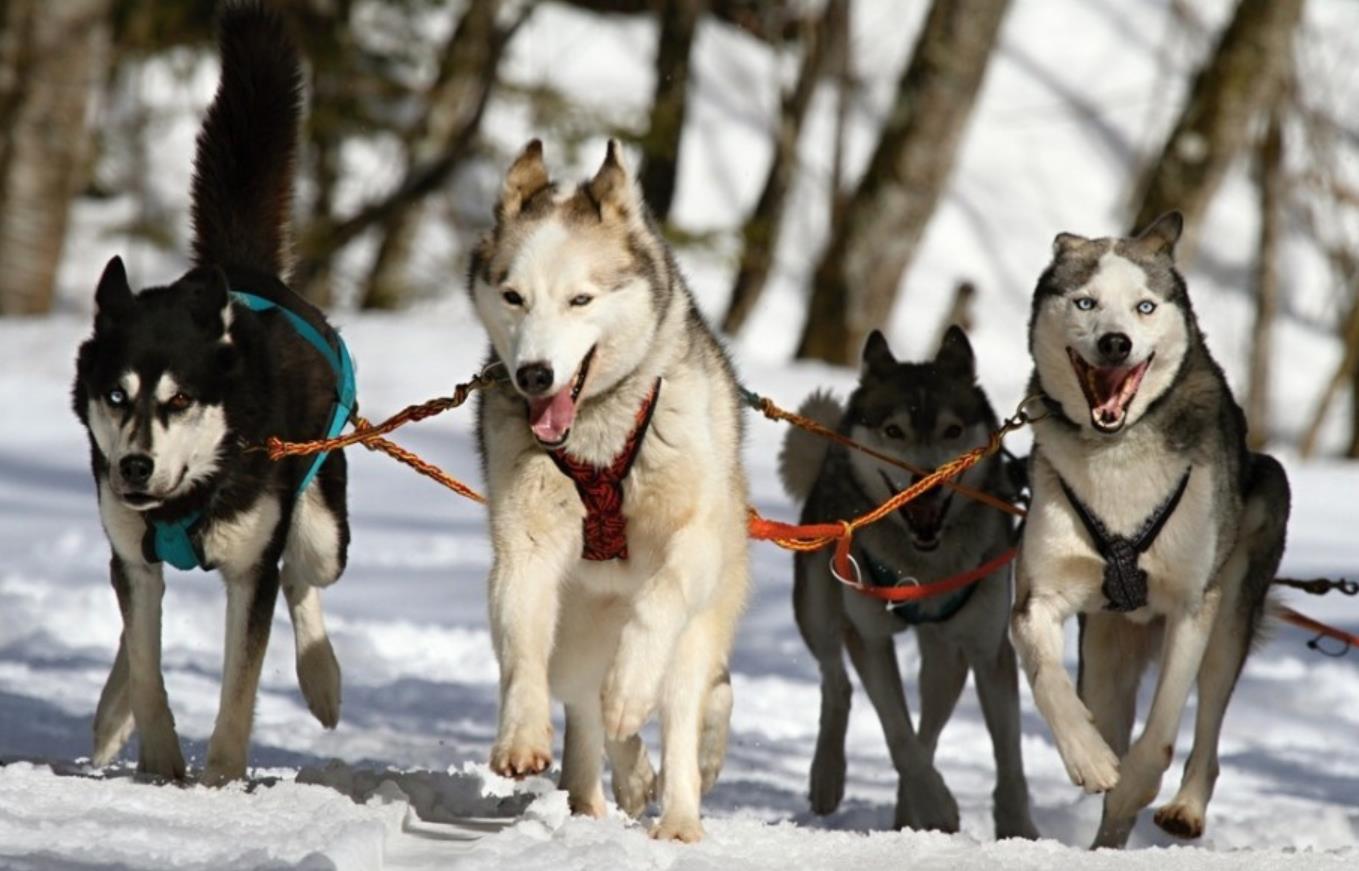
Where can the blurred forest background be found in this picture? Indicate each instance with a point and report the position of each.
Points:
(403, 152)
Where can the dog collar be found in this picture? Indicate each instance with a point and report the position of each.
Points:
(601, 489)
(1125, 583)
(176, 541)
(880, 575)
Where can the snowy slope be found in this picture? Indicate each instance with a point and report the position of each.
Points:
(1050, 148)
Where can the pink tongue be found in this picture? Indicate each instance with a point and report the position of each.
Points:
(551, 418)
(1109, 385)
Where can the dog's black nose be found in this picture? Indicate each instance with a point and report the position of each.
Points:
(534, 378)
(1115, 347)
(136, 469)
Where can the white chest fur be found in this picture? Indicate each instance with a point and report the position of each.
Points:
(1123, 482)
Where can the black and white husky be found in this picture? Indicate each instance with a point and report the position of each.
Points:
(1150, 519)
(923, 413)
(176, 385)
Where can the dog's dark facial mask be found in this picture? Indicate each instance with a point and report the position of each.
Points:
(923, 414)
(151, 383)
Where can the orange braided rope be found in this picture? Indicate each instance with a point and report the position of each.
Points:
(794, 537)
(766, 406)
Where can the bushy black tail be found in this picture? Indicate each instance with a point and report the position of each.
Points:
(243, 169)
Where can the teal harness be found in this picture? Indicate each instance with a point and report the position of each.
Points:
(172, 541)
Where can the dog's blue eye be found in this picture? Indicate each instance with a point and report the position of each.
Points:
(116, 397)
(892, 431)
(581, 299)
(1146, 307)
(1085, 303)
(512, 297)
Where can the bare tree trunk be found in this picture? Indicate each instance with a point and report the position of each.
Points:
(320, 242)
(1239, 80)
(855, 284)
(52, 58)
(838, 22)
(760, 236)
(1271, 181)
(456, 103)
(661, 145)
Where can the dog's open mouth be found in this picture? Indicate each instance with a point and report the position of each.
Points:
(550, 417)
(924, 514)
(1108, 390)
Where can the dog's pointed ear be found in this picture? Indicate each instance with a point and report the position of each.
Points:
(955, 354)
(1162, 235)
(113, 295)
(612, 189)
(878, 359)
(525, 177)
(1068, 243)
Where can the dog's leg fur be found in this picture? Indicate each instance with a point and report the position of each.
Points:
(140, 587)
(1186, 638)
(251, 596)
(113, 720)
(683, 704)
(1038, 637)
(818, 606)
(634, 780)
(313, 557)
(1114, 653)
(582, 758)
(923, 800)
(712, 747)
(997, 676)
(524, 595)
(943, 674)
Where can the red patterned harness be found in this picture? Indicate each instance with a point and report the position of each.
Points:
(601, 489)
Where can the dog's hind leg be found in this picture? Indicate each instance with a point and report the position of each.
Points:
(1243, 601)
(140, 588)
(113, 720)
(923, 800)
(582, 758)
(1114, 652)
(634, 780)
(819, 610)
(1141, 770)
(712, 748)
(251, 596)
(313, 557)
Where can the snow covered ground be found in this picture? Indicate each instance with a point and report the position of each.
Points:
(409, 628)
(402, 782)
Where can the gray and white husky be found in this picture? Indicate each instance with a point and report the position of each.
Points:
(617, 496)
(173, 386)
(1150, 519)
(924, 414)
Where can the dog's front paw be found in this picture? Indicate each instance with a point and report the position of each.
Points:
(1090, 763)
(1181, 820)
(925, 802)
(684, 828)
(629, 696)
(633, 790)
(522, 751)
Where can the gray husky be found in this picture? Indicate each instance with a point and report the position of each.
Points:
(924, 414)
(1150, 519)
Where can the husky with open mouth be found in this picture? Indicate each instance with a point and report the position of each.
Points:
(1150, 519)
(617, 497)
(174, 387)
(923, 414)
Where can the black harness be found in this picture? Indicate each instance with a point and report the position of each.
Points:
(1125, 583)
